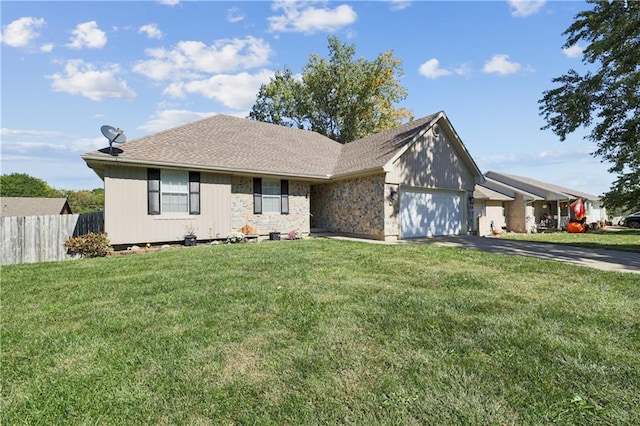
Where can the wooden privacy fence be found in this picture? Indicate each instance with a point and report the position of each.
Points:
(31, 239)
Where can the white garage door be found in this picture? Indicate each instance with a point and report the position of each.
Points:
(430, 214)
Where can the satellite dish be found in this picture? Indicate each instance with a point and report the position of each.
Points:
(113, 134)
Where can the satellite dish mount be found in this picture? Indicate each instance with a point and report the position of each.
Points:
(113, 134)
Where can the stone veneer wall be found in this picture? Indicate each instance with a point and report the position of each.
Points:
(353, 206)
(242, 208)
(516, 212)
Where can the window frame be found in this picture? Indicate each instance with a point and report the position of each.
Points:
(188, 186)
(174, 185)
(259, 196)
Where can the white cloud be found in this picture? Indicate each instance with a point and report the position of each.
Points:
(522, 8)
(552, 156)
(47, 47)
(302, 17)
(24, 142)
(233, 91)
(5, 132)
(431, 69)
(189, 59)
(88, 35)
(574, 51)
(170, 118)
(80, 78)
(500, 64)
(151, 30)
(169, 2)
(234, 15)
(21, 32)
(463, 70)
(399, 4)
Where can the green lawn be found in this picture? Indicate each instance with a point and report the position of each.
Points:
(319, 332)
(620, 239)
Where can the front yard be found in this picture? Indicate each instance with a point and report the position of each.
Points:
(621, 239)
(319, 332)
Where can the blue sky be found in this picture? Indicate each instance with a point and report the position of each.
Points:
(70, 67)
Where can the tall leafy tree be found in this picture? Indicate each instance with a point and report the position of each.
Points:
(24, 185)
(605, 99)
(84, 201)
(342, 97)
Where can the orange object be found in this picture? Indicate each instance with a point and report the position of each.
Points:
(575, 227)
(248, 230)
(578, 209)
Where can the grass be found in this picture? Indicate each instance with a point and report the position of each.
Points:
(620, 239)
(319, 332)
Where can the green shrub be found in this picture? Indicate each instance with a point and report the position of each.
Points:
(89, 245)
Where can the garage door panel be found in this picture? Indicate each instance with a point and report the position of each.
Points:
(427, 214)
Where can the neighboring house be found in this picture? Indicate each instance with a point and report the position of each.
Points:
(223, 173)
(524, 201)
(33, 206)
(488, 209)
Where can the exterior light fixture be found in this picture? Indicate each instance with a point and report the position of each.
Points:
(393, 196)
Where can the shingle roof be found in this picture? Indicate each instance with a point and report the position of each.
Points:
(483, 193)
(229, 143)
(375, 150)
(506, 190)
(546, 190)
(31, 206)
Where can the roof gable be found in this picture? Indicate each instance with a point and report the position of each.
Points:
(376, 150)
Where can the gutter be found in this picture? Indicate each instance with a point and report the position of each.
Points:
(92, 161)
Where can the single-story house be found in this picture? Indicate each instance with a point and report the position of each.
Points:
(33, 206)
(518, 204)
(223, 173)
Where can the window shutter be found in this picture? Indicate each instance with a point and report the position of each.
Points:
(284, 193)
(194, 192)
(257, 196)
(153, 191)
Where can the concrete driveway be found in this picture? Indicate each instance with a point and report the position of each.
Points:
(606, 260)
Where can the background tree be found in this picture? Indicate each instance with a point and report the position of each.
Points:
(341, 97)
(84, 201)
(607, 98)
(23, 185)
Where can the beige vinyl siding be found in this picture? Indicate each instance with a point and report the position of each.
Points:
(127, 221)
(432, 162)
(485, 212)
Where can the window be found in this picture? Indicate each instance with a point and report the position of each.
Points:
(173, 192)
(270, 196)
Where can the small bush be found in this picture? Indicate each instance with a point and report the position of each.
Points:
(89, 245)
(235, 237)
(294, 235)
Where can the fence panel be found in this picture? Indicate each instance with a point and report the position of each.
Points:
(89, 222)
(33, 239)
